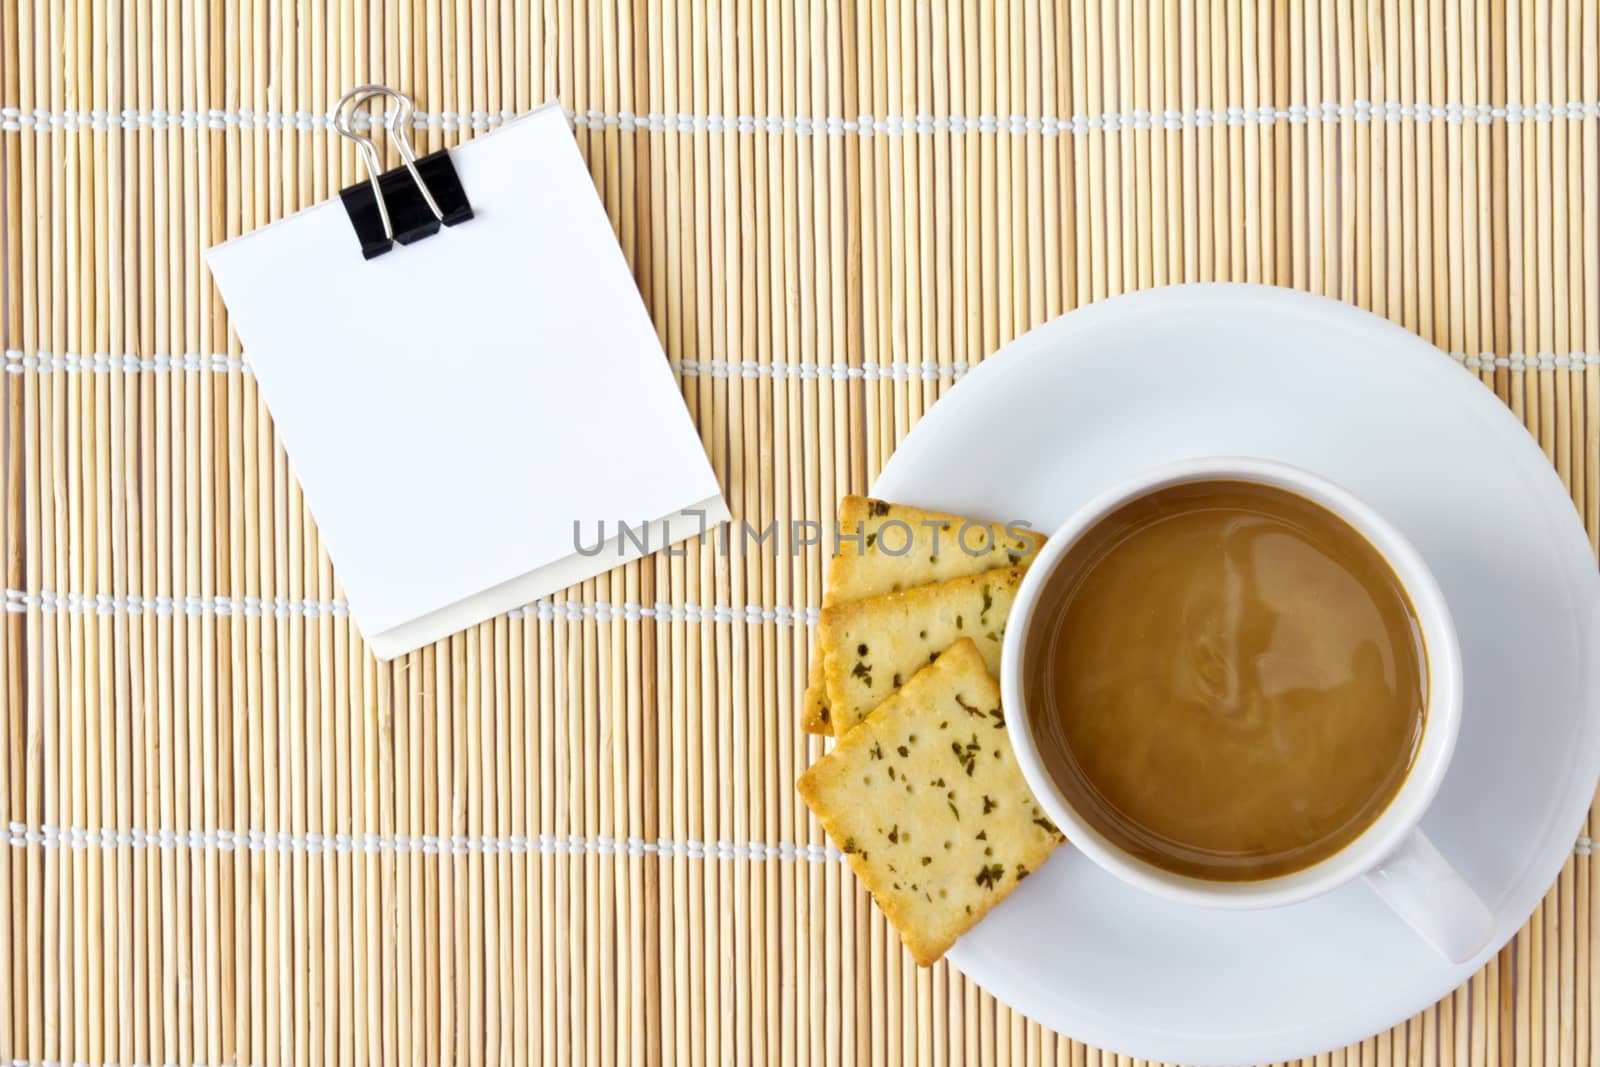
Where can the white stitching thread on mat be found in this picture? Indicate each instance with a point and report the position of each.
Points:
(18, 601)
(17, 361)
(71, 121)
(72, 837)
(102, 363)
(838, 372)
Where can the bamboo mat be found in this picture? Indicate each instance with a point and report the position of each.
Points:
(571, 834)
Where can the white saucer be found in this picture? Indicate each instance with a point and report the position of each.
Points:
(1241, 370)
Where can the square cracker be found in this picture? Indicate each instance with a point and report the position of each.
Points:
(938, 547)
(872, 647)
(927, 801)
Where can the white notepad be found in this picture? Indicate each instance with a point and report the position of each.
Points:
(454, 407)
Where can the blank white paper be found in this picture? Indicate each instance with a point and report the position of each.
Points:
(454, 407)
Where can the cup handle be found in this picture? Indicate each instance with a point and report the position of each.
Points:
(1431, 898)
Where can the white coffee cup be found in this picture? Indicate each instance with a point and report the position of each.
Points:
(1391, 854)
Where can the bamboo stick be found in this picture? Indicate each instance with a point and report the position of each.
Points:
(13, 891)
(23, 168)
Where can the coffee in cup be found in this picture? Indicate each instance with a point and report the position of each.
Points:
(1229, 680)
(1231, 683)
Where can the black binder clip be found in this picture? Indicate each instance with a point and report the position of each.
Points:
(405, 204)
